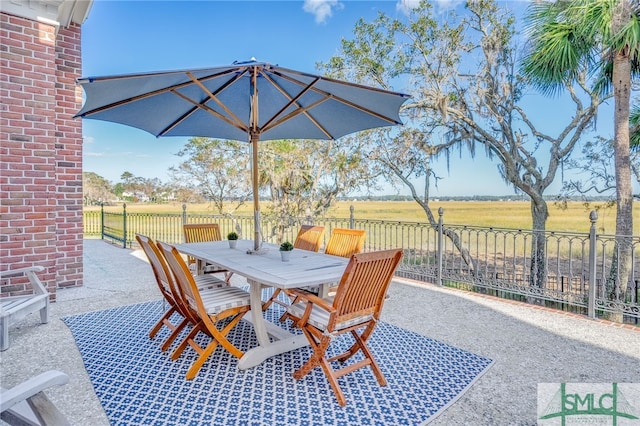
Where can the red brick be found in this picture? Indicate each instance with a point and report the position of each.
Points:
(38, 208)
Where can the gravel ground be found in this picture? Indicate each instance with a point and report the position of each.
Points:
(529, 345)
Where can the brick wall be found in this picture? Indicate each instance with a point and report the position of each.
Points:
(40, 152)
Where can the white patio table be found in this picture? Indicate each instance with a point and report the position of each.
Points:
(304, 269)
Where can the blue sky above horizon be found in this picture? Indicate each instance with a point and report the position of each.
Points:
(121, 37)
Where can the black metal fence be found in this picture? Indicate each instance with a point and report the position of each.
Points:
(483, 259)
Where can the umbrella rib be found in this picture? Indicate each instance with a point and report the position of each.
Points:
(299, 109)
(207, 109)
(254, 103)
(124, 102)
(302, 110)
(178, 121)
(236, 121)
(365, 110)
(338, 98)
(146, 95)
(281, 70)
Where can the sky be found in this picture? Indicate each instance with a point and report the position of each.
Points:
(121, 37)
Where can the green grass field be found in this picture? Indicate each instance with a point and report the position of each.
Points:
(503, 214)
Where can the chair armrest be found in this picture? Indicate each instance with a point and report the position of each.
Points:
(31, 387)
(312, 298)
(20, 271)
(30, 272)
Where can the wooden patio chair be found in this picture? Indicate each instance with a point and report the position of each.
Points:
(355, 309)
(171, 293)
(345, 242)
(203, 232)
(224, 305)
(309, 237)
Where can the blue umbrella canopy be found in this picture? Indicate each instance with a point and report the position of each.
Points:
(247, 101)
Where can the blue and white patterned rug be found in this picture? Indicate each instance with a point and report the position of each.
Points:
(138, 384)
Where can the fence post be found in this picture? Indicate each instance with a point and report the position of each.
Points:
(440, 248)
(352, 219)
(591, 310)
(102, 221)
(184, 214)
(124, 225)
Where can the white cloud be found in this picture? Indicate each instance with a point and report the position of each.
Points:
(406, 6)
(444, 5)
(322, 9)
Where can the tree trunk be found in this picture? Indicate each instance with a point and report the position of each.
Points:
(617, 285)
(455, 238)
(538, 269)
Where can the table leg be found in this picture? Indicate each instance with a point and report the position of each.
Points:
(323, 290)
(283, 340)
(200, 266)
(256, 309)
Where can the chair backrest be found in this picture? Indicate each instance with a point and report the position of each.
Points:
(364, 284)
(182, 276)
(345, 242)
(309, 237)
(163, 275)
(201, 232)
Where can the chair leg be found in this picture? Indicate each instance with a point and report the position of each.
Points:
(274, 299)
(333, 381)
(360, 344)
(195, 367)
(316, 356)
(44, 313)
(189, 340)
(218, 337)
(174, 334)
(268, 303)
(320, 344)
(318, 359)
(161, 322)
(221, 336)
(4, 333)
(368, 355)
(356, 346)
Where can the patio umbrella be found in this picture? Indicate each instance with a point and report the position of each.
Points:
(246, 101)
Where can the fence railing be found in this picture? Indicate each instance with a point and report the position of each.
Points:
(489, 260)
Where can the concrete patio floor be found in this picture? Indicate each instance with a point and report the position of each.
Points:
(529, 345)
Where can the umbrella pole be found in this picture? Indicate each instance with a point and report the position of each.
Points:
(256, 196)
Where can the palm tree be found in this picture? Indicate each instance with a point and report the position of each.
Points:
(602, 37)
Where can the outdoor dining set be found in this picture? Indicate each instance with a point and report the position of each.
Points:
(325, 294)
(257, 101)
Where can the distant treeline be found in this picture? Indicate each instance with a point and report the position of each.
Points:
(472, 198)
